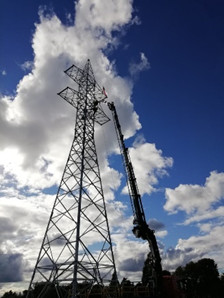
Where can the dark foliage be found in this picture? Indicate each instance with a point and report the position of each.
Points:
(11, 294)
(166, 272)
(200, 279)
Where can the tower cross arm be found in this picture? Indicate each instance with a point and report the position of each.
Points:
(70, 95)
(75, 73)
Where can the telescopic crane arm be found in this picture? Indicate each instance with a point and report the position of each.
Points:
(141, 228)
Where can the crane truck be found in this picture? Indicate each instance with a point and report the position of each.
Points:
(140, 226)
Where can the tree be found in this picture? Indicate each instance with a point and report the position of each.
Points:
(11, 294)
(166, 273)
(201, 279)
(222, 283)
(127, 288)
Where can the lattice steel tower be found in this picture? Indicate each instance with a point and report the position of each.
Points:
(76, 251)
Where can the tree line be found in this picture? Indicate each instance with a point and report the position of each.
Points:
(199, 279)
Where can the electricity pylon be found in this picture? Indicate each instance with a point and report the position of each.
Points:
(76, 251)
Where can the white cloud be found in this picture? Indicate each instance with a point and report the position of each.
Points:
(211, 214)
(115, 15)
(4, 73)
(205, 227)
(37, 117)
(136, 68)
(161, 234)
(129, 261)
(202, 206)
(196, 199)
(149, 164)
(27, 65)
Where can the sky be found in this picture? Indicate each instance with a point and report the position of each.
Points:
(162, 63)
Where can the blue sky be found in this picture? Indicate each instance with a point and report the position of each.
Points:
(160, 60)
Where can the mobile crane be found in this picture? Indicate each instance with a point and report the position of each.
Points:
(141, 228)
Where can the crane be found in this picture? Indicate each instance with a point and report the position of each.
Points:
(141, 228)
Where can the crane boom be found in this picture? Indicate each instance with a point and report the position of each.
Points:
(141, 228)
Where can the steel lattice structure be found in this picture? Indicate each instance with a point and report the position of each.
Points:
(76, 251)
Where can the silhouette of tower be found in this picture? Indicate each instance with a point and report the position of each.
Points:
(76, 251)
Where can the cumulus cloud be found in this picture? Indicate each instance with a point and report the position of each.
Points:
(36, 118)
(202, 207)
(116, 14)
(4, 73)
(196, 199)
(149, 164)
(34, 121)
